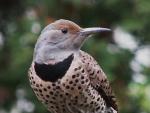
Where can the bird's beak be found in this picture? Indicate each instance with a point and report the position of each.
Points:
(92, 30)
(85, 32)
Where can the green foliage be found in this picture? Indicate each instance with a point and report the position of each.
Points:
(22, 21)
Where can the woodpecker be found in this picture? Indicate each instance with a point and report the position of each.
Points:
(66, 79)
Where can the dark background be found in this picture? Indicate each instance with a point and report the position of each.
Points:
(123, 54)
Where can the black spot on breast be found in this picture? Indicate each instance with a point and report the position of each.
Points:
(52, 73)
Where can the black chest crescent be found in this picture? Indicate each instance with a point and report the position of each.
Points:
(52, 73)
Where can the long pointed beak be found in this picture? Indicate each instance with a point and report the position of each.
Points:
(92, 30)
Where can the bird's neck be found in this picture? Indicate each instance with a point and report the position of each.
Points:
(52, 57)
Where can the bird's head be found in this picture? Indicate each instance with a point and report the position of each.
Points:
(60, 39)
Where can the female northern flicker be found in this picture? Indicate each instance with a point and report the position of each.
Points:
(66, 79)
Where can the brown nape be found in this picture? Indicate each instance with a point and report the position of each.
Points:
(65, 24)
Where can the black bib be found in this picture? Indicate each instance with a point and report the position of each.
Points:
(52, 73)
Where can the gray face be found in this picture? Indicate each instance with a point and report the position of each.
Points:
(60, 39)
(60, 34)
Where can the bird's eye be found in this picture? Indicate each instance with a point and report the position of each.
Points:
(65, 30)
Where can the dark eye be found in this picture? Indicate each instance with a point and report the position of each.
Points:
(65, 30)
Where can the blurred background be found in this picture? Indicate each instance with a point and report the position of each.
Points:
(124, 55)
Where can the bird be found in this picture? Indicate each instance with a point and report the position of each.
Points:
(65, 78)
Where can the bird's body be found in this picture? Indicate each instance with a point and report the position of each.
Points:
(74, 83)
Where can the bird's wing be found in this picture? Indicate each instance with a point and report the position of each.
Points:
(99, 80)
